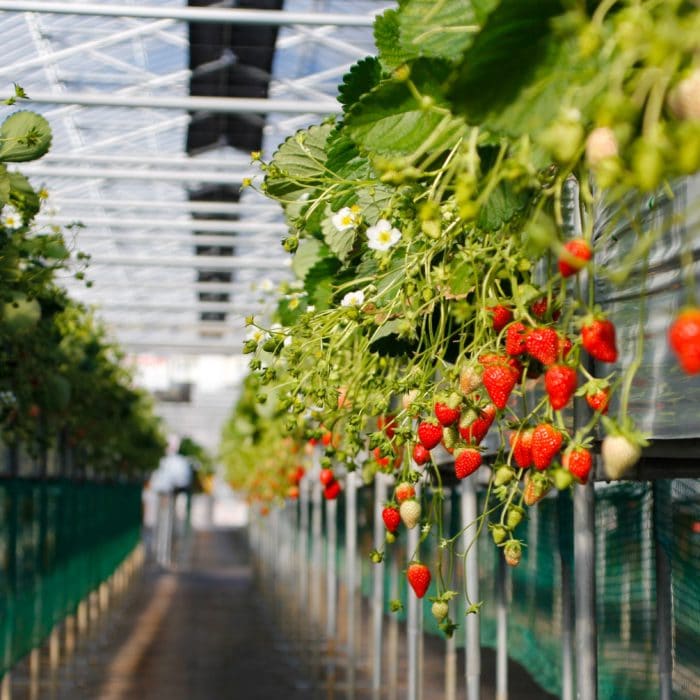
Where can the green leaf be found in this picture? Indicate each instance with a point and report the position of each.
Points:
(298, 163)
(386, 37)
(24, 136)
(360, 79)
(345, 161)
(462, 280)
(502, 205)
(374, 202)
(388, 328)
(340, 242)
(320, 282)
(4, 185)
(390, 121)
(503, 59)
(289, 312)
(439, 28)
(309, 252)
(23, 197)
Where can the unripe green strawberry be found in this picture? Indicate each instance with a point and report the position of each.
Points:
(410, 512)
(514, 517)
(512, 551)
(450, 437)
(390, 537)
(498, 533)
(503, 475)
(562, 478)
(470, 379)
(440, 610)
(535, 488)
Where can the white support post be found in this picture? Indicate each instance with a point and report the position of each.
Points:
(6, 686)
(501, 629)
(305, 487)
(414, 622)
(351, 579)
(451, 642)
(472, 648)
(380, 488)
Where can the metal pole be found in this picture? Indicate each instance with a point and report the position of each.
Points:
(414, 619)
(316, 555)
(380, 486)
(191, 206)
(213, 105)
(501, 629)
(472, 648)
(331, 589)
(585, 585)
(350, 576)
(451, 642)
(304, 489)
(192, 14)
(664, 591)
(393, 640)
(271, 262)
(567, 628)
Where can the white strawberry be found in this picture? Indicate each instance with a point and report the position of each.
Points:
(620, 454)
(410, 513)
(439, 609)
(600, 144)
(470, 379)
(684, 99)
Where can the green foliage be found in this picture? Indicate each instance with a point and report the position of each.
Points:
(24, 136)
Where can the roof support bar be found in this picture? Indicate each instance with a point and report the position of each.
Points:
(135, 174)
(194, 206)
(192, 14)
(201, 262)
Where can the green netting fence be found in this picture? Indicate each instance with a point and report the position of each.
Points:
(629, 524)
(59, 539)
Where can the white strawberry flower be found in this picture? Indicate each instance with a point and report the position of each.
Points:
(382, 235)
(257, 335)
(10, 217)
(346, 218)
(353, 299)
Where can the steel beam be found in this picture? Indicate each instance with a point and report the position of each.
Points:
(208, 262)
(194, 206)
(107, 307)
(222, 178)
(233, 160)
(213, 105)
(192, 14)
(88, 237)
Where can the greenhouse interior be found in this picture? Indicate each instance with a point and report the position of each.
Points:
(350, 349)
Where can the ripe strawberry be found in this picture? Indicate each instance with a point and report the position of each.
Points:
(326, 438)
(598, 339)
(331, 491)
(543, 345)
(535, 488)
(684, 338)
(404, 491)
(467, 461)
(410, 513)
(540, 308)
(546, 442)
(577, 254)
(473, 426)
(620, 454)
(447, 412)
(502, 316)
(499, 380)
(565, 346)
(515, 339)
(387, 424)
(430, 434)
(470, 379)
(579, 462)
(418, 576)
(521, 444)
(560, 383)
(440, 610)
(420, 454)
(293, 492)
(391, 518)
(599, 399)
(326, 476)
(382, 461)
(512, 551)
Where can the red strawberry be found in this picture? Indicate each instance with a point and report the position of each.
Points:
(420, 454)
(546, 442)
(447, 412)
(430, 434)
(326, 476)
(579, 462)
(473, 426)
(293, 492)
(391, 518)
(565, 346)
(543, 345)
(684, 338)
(540, 307)
(404, 491)
(577, 254)
(387, 424)
(502, 316)
(598, 338)
(499, 380)
(467, 461)
(515, 338)
(598, 399)
(331, 491)
(560, 383)
(521, 444)
(418, 576)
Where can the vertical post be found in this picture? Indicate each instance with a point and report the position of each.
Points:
(414, 620)
(584, 573)
(6, 686)
(380, 483)
(316, 551)
(393, 641)
(664, 600)
(350, 575)
(331, 587)
(472, 649)
(451, 642)
(567, 628)
(303, 534)
(501, 629)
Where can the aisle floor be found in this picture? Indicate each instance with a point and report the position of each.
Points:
(201, 631)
